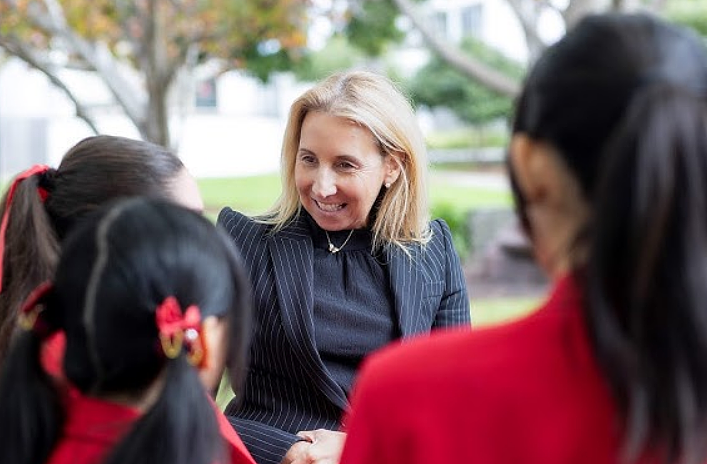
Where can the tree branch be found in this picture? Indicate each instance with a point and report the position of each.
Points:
(129, 97)
(17, 48)
(577, 9)
(527, 14)
(464, 63)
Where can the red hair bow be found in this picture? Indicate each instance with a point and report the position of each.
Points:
(36, 169)
(176, 327)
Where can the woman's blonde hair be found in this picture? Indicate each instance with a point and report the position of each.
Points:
(373, 102)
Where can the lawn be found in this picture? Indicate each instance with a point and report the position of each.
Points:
(491, 311)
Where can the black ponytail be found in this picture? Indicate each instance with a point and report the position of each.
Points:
(180, 428)
(647, 272)
(31, 414)
(30, 254)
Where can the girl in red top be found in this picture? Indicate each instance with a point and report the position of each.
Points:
(147, 293)
(609, 163)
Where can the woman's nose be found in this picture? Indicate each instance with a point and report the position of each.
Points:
(324, 183)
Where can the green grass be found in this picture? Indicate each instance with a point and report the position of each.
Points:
(249, 195)
(493, 311)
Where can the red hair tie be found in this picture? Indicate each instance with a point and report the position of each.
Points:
(177, 329)
(36, 169)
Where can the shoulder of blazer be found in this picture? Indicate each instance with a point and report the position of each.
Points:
(441, 235)
(241, 227)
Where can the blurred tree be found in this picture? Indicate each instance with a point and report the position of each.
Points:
(337, 54)
(145, 50)
(370, 25)
(528, 13)
(438, 84)
(689, 13)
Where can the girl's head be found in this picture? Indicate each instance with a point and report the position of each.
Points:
(116, 273)
(582, 98)
(45, 205)
(145, 292)
(102, 168)
(609, 162)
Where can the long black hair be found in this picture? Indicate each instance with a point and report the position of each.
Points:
(623, 100)
(115, 269)
(96, 170)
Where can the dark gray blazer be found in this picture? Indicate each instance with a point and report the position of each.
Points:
(288, 388)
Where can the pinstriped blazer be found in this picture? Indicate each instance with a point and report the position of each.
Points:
(288, 387)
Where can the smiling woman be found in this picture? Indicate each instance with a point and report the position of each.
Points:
(339, 171)
(345, 262)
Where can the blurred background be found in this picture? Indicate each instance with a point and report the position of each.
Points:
(213, 80)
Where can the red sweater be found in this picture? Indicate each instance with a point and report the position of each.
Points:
(91, 429)
(528, 392)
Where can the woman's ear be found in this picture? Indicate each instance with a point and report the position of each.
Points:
(393, 168)
(524, 154)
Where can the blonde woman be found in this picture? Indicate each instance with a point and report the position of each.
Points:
(344, 263)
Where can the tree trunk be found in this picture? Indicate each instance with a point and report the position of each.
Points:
(155, 126)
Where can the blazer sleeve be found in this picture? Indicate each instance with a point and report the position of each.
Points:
(454, 307)
(266, 444)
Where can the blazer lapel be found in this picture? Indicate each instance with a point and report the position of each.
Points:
(405, 285)
(292, 257)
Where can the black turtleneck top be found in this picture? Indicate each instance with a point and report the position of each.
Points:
(353, 306)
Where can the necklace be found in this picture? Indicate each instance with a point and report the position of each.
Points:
(334, 249)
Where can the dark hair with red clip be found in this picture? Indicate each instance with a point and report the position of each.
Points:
(116, 271)
(47, 202)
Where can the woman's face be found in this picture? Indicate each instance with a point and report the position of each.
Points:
(339, 171)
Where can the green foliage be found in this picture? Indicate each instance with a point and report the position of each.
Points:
(372, 26)
(337, 55)
(690, 13)
(439, 85)
(456, 219)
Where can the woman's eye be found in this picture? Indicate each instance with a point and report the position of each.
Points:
(308, 159)
(346, 165)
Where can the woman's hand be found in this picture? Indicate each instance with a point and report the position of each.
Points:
(321, 447)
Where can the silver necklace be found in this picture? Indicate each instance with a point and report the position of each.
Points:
(334, 249)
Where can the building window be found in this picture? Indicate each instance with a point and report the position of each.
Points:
(439, 24)
(471, 20)
(206, 94)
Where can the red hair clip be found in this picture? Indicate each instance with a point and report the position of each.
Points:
(176, 327)
(28, 317)
(36, 169)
